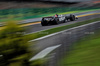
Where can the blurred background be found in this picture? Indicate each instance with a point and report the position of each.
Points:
(27, 9)
(15, 48)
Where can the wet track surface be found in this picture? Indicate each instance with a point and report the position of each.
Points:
(38, 27)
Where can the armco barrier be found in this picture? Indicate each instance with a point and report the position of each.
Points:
(66, 38)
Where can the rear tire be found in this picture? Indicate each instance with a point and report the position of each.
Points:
(44, 23)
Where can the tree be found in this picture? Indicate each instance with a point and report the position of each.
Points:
(13, 46)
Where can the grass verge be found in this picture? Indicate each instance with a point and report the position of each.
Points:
(86, 52)
(61, 28)
(23, 17)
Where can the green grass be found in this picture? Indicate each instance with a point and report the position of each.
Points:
(28, 13)
(57, 29)
(79, 11)
(86, 52)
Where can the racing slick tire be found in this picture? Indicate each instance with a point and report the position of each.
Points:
(44, 23)
(72, 17)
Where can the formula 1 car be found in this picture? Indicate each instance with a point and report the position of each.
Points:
(56, 20)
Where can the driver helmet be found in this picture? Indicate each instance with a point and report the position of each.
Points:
(56, 15)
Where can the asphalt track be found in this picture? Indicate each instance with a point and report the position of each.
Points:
(82, 17)
(66, 39)
(32, 26)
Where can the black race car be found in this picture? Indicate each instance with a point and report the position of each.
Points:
(57, 19)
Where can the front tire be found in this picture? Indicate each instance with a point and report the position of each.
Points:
(72, 17)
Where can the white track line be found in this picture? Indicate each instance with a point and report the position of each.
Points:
(62, 31)
(44, 52)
